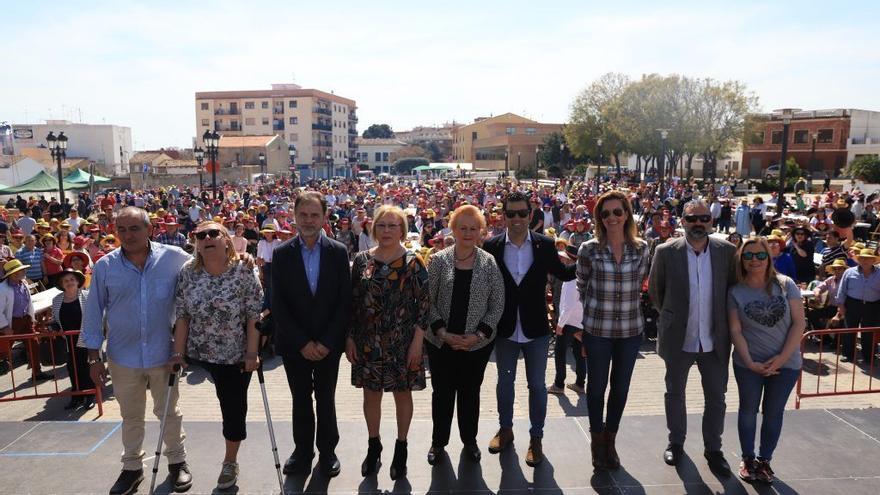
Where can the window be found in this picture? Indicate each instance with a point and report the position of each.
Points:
(265, 120)
(249, 121)
(248, 105)
(825, 136)
(801, 136)
(758, 137)
(378, 156)
(531, 131)
(775, 137)
(384, 156)
(204, 106)
(206, 122)
(264, 104)
(511, 131)
(294, 138)
(474, 136)
(234, 125)
(293, 120)
(291, 104)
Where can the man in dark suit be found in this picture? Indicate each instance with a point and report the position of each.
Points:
(688, 286)
(525, 259)
(311, 292)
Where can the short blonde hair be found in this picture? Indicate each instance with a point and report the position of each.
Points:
(231, 255)
(393, 211)
(467, 211)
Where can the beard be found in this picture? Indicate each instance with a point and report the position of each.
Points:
(696, 233)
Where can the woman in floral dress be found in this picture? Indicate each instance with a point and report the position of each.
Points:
(218, 303)
(389, 310)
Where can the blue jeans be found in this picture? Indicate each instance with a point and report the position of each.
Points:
(535, 355)
(775, 390)
(604, 355)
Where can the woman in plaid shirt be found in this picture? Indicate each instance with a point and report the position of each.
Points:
(611, 270)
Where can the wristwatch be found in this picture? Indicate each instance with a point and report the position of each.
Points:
(91, 361)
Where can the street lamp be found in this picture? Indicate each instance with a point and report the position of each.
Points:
(58, 150)
(212, 145)
(599, 169)
(506, 168)
(518, 157)
(537, 150)
(786, 122)
(329, 159)
(262, 158)
(813, 154)
(199, 153)
(291, 150)
(661, 176)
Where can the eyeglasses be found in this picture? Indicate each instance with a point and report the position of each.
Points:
(618, 212)
(386, 226)
(516, 213)
(698, 218)
(212, 233)
(760, 255)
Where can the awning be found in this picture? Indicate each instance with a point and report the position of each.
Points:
(81, 176)
(42, 182)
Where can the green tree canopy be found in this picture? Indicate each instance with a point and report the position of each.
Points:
(865, 168)
(404, 166)
(378, 131)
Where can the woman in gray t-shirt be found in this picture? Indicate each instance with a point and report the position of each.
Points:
(766, 315)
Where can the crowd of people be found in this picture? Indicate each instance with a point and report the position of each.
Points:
(410, 278)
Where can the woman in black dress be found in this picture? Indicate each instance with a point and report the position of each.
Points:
(67, 310)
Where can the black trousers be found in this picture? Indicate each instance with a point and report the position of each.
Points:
(456, 375)
(865, 314)
(565, 342)
(305, 377)
(78, 366)
(231, 386)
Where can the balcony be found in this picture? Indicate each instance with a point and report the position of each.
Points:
(322, 111)
(278, 110)
(322, 127)
(278, 125)
(227, 111)
(353, 132)
(227, 128)
(352, 118)
(322, 144)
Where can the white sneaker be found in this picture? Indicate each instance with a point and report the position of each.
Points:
(228, 475)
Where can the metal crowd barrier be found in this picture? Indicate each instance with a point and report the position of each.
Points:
(834, 382)
(39, 390)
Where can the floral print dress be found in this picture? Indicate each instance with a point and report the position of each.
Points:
(388, 301)
(217, 307)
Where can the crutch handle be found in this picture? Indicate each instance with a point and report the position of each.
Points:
(172, 375)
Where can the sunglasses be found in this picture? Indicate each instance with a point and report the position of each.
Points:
(213, 233)
(698, 218)
(618, 212)
(516, 213)
(760, 255)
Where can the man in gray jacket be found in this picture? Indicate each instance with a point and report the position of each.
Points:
(688, 285)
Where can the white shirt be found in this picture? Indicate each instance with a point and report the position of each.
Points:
(518, 260)
(265, 249)
(571, 309)
(74, 223)
(698, 335)
(548, 218)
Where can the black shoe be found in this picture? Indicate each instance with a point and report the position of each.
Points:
(298, 464)
(74, 402)
(127, 482)
(4, 367)
(435, 455)
(180, 476)
(88, 403)
(673, 453)
(717, 462)
(373, 460)
(330, 465)
(473, 452)
(398, 464)
(43, 376)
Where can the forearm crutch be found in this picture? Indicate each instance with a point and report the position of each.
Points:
(171, 377)
(262, 381)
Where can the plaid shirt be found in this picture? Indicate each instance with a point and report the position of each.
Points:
(610, 292)
(177, 239)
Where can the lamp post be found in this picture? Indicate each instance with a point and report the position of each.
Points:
(599, 169)
(537, 151)
(212, 145)
(291, 150)
(661, 176)
(506, 167)
(329, 159)
(199, 153)
(262, 158)
(786, 122)
(58, 150)
(813, 154)
(518, 159)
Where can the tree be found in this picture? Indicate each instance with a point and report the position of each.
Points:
(404, 166)
(591, 115)
(792, 175)
(378, 131)
(551, 154)
(411, 151)
(865, 168)
(433, 151)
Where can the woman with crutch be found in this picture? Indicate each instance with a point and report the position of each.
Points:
(218, 303)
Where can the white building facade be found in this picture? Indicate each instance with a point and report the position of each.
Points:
(864, 135)
(109, 146)
(376, 154)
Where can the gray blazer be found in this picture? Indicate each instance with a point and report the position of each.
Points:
(486, 303)
(669, 289)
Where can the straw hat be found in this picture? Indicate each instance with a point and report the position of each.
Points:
(268, 229)
(108, 239)
(838, 263)
(867, 253)
(13, 266)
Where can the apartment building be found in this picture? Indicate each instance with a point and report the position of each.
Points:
(109, 146)
(321, 126)
(494, 143)
(422, 136)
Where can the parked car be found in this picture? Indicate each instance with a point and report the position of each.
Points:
(772, 172)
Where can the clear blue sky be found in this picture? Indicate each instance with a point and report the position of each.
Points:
(418, 63)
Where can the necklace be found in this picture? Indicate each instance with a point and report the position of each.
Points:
(473, 251)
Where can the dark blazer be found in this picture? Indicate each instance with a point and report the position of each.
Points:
(669, 289)
(301, 317)
(528, 299)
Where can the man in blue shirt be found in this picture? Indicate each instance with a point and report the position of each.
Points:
(859, 296)
(133, 288)
(32, 255)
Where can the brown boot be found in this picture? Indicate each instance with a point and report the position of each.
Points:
(597, 449)
(612, 460)
(536, 452)
(501, 440)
